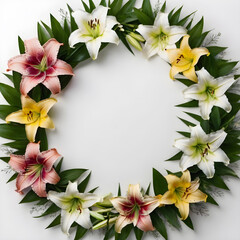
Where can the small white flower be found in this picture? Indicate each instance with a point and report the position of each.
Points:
(210, 92)
(94, 28)
(202, 149)
(160, 36)
(74, 205)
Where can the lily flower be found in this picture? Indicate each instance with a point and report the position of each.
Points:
(35, 169)
(184, 59)
(75, 206)
(135, 209)
(202, 149)
(161, 36)
(94, 28)
(33, 115)
(40, 65)
(182, 192)
(210, 92)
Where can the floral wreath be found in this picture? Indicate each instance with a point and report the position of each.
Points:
(45, 66)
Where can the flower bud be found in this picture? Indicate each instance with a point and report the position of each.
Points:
(134, 42)
(137, 36)
(104, 223)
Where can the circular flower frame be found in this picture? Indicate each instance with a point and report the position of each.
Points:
(45, 66)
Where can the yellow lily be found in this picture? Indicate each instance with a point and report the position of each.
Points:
(33, 115)
(184, 59)
(181, 192)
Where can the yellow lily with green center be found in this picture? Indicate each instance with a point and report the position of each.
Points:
(33, 115)
(184, 59)
(182, 192)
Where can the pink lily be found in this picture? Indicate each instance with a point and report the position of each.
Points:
(135, 209)
(35, 169)
(40, 65)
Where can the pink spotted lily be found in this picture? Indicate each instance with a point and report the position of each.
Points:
(39, 64)
(135, 209)
(35, 169)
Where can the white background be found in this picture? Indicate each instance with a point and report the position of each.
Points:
(117, 118)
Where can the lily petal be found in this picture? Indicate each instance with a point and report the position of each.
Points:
(46, 122)
(89, 200)
(190, 74)
(121, 205)
(39, 187)
(51, 48)
(110, 36)
(184, 144)
(134, 192)
(168, 198)
(19, 117)
(18, 64)
(48, 158)
(50, 177)
(17, 163)
(53, 84)
(187, 161)
(59, 199)
(186, 177)
(81, 18)
(93, 47)
(34, 51)
(216, 139)
(150, 203)
(121, 222)
(198, 133)
(100, 13)
(219, 156)
(183, 208)
(205, 109)
(207, 166)
(111, 21)
(198, 52)
(72, 188)
(161, 20)
(67, 219)
(45, 105)
(62, 68)
(31, 130)
(224, 83)
(83, 219)
(145, 223)
(24, 181)
(197, 196)
(77, 37)
(32, 151)
(223, 103)
(29, 82)
(29, 103)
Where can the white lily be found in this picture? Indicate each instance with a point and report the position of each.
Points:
(94, 28)
(202, 149)
(210, 92)
(74, 205)
(161, 36)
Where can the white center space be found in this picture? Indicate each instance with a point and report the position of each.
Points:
(117, 118)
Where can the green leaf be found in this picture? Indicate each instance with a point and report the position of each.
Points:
(185, 81)
(70, 175)
(175, 17)
(163, 8)
(200, 40)
(13, 132)
(13, 177)
(190, 104)
(194, 116)
(92, 5)
(171, 216)
(5, 159)
(10, 77)
(19, 144)
(115, 7)
(138, 233)
(43, 37)
(205, 126)
(49, 30)
(21, 45)
(148, 189)
(17, 78)
(217, 181)
(142, 17)
(59, 166)
(147, 9)
(124, 41)
(58, 31)
(103, 3)
(196, 33)
(42, 137)
(124, 233)
(66, 27)
(128, 7)
(83, 185)
(5, 110)
(185, 19)
(31, 196)
(73, 24)
(223, 170)
(159, 224)
(55, 222)
(185, 134)
(187, 123)
(215, 50)
(226, 68)
(215, 118)
(80, 232)
(176, 157)
(52, 209)
(119, 190)
(160, 185)
(87, 9)
(189, 223)
(10, 94)
(109, 233)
